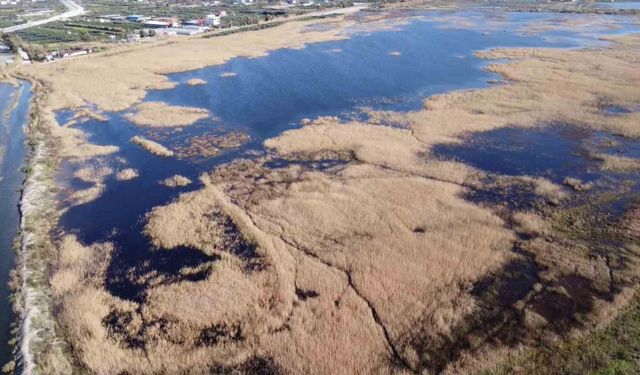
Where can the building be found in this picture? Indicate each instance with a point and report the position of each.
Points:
(213, 20)
(79, 53)
(173, 22)
(198, 22)
(135, 18)
(190, 30)
(154, 24)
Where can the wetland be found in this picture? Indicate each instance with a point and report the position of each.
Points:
(384, 192)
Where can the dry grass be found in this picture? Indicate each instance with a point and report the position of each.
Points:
(93, 173)
(127, 174)
(166, 231)
(162, 115)
(207, 145)
(551, 192)
(84, 196)
(358, 266)
(151, 146)
(529, 223)
(617, 163)
(73, 142)
(176, 181)
(576, 184)
(196, 82)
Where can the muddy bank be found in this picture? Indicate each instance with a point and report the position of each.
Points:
(14, 114)
(39, 340)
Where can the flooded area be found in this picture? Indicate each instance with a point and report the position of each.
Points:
(14, 105)
(263, 97)
(554, 152)
(365, 78)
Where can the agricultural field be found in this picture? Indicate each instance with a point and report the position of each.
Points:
(95, 27)
(23, 11)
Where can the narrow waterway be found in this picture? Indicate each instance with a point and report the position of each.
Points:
(14, 111)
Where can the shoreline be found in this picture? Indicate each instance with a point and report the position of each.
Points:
(12, 161)
(37, 220)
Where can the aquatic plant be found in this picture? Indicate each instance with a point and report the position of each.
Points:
(151, 146)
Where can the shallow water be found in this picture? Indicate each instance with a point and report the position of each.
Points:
(268, 95)
(621, 5)
(553, 152)
(12, 154)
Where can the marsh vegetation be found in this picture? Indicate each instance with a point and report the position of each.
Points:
(474, 232)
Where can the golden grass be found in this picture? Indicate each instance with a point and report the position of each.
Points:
(550, 191)
(73, 142)
(577, 184)
(546, 86)
(617, 163)
(165, 229)
(529, 223)
(151, 146)
(127, 174)
(355, 264)
(196, 82)
(176, 181)
(84, 196)
(93, 173)
(208, 145)
(162, 115)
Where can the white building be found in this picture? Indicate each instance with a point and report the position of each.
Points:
(213, 20)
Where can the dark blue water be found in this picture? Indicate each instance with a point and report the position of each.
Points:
(11, 177)
(553, 152)
(267, 96)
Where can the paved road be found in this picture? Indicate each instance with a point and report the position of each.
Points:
(73, 10)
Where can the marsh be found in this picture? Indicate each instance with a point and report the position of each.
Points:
(344, 189)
